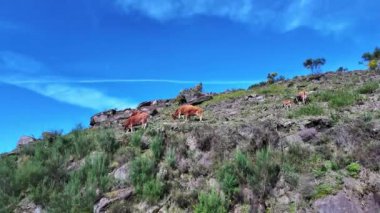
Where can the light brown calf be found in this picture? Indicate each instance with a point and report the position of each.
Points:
(188, 110)
(287, 103)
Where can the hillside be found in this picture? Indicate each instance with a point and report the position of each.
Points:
(249, 154)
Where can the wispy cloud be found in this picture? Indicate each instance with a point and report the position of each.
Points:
(18, 70)
(284, 15)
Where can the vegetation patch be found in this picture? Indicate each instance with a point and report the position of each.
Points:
(369, 88)
(307, 110)
(210, 202)
(353, 169)
(339, 98)
(323, 190)
(227, 96)
(271, 89)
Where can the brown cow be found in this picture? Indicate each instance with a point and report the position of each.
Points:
(287, 103)
(137, 118)
(188, 110)
(302, 96)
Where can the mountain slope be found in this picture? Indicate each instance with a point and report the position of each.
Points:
(249, 155)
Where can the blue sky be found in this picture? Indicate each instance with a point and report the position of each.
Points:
(62, 61)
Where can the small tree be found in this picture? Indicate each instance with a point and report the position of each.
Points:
(314, 64)
(271, 77)
(342, 69)
(372, 59)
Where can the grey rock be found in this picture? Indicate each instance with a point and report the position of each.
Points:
(339, 203)
(25, 140)
(308, 134)
(112, 197)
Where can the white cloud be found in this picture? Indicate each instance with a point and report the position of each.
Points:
(284, 15)
(79, 96)
(25, 72)
(169, 9)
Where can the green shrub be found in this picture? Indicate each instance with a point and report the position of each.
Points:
(106, 140)
(152, 190)
(125, 154)
(228, 179)
(79, 193)
(157, 147)
(142, 170)
(136, 138)
(9, 191)
(265, 172)
(290, 174)
(307, 110)
(243, 165)
(323, 190)
(210, 202)
(170, 157)
(353, 169)
(29, 174)
(369, 88)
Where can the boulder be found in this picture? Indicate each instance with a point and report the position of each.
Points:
(25, 140)
(122, 173)
(339, 203)
(308, 134)
(112, 197)
(27, 206)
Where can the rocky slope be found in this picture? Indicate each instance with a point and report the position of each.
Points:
(249, 155)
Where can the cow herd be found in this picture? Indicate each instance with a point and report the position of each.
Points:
(141, 118)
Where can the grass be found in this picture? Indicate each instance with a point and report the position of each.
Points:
(338, 99)
(170, 158)
(323, 190)
(157, 147)
(272, 89)
(210, 202)
(228, 179)
(307, 110)
(227, 96)
(369, 88)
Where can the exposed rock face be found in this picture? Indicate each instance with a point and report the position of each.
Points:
(122, 173)
(340, 203)
(27, 206)
(112, 197)
(25, 140)
(115, 118)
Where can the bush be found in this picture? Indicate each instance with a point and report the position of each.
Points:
(353, 169)
(106, 140)
(142, 171)
(157, 147)
(79, 193)
(30, 174)
(170, 157)
(228, 180)
(322, 190)
(369, 88)
(9, 193)
(153, 190)
(308, 110)
(136, 138)
(290, 174)
(210, 202)
(265, 172)
(242, 163)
